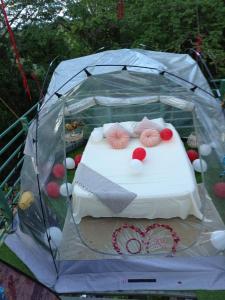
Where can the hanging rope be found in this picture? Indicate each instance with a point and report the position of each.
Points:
(9, 108)
(198, 39)
(16, 52)
(197, 17)
(198, 45)
(120, 9)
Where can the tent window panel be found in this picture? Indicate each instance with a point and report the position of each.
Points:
(136, 109)
(99, 115)
(180, 121)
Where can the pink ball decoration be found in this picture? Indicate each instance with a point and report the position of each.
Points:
(139, 153)
(52, 189)
(117, 137)
(77, 159)
(58, 171)
(219, 189)
(150, 137)
(166, 134)
(192, 154)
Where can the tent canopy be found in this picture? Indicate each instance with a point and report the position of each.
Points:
(115, 86)
(70, 71)
(135, 76)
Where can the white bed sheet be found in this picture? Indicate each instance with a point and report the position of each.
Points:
(165, 189)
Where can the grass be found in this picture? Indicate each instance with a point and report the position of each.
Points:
(9, 257)
(70, 173)
(211, 295)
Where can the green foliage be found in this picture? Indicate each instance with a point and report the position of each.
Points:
(11, 90)
(50, 28)
(211, 295)
(173, 26)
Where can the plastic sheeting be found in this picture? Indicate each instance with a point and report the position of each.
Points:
(100, 275)
(127, 88)
(179, 64)
(82, 252)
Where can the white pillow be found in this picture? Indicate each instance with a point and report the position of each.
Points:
(106, 127)
(96, 135)
(160, 122)
(129, 126)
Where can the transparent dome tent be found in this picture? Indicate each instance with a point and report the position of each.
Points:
(102, 222)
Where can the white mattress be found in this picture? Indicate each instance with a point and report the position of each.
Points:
(165, 189)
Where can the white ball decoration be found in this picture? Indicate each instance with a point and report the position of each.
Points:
(218, 239)
(56, 237)
(96, 136)
(70, 163)
(192, 141)
(136, 166)
(199, 165)
(64, 187)
(205, 149)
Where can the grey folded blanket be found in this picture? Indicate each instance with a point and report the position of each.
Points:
(109, 193)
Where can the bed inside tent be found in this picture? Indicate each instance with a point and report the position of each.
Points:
(133, 207)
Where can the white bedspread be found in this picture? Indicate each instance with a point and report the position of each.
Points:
(165, 189)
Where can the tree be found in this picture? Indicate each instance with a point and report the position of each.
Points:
(46, 29)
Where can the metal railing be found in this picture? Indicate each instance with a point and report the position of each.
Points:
(11, 160)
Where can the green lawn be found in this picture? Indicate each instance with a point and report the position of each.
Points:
(70, 173)
(211, 295)
(6, 255)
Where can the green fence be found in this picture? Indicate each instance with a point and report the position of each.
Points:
(11, 160)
